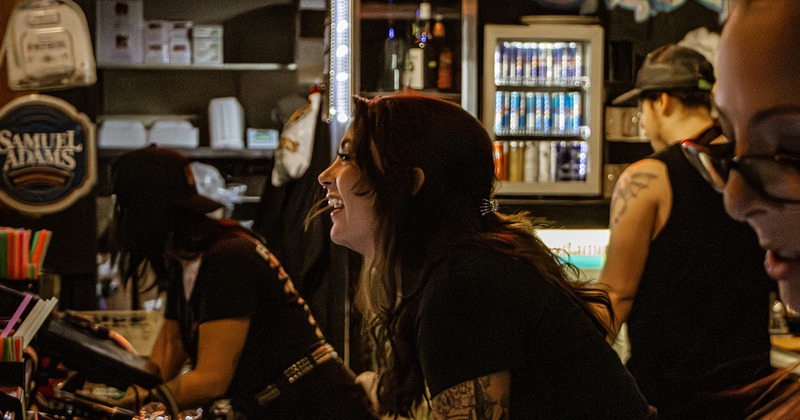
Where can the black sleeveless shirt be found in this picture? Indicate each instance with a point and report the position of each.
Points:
(699, 323)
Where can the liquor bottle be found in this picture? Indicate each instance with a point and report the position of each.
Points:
(444, 76)
(395, 49)
(432, 49)
(416, 53)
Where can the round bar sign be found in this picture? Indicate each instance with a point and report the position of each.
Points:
(47, 154)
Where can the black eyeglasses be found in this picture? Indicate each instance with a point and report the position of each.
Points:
(774, 177)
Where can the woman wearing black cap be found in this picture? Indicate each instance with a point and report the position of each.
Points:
(232, 310)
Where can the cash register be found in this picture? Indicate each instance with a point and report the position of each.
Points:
(83, 352)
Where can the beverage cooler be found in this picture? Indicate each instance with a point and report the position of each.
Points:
(542, 103)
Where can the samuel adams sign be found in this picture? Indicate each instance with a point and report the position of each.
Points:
(47, 154)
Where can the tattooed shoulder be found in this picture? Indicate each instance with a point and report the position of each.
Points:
(482, 398)
(630, 186)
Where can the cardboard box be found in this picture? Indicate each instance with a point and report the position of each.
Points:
(156, 39)
(180, 46)
(207, 44)
(120, 26)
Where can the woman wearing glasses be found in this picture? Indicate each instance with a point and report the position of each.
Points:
(679, 271)
(759, 102)
(759, 172)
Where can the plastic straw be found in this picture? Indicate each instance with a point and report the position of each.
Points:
(16, 316)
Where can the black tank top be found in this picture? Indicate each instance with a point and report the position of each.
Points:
(699, 322)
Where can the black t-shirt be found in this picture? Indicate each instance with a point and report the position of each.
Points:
(486, 312)
(239, 277)
(699, 322)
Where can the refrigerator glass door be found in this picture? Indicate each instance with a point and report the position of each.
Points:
(542, 102)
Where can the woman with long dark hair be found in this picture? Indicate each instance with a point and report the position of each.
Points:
(462, 301)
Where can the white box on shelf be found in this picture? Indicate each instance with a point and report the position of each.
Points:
(260, 138)
(120, 31)
(156, 39)
(121, 134)
(180, 29)
(173, 133)
(226, 123)
(180, 51)
(207, 44)
(180, 47)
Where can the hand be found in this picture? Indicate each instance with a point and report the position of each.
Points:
(369, 381)
(133, 398)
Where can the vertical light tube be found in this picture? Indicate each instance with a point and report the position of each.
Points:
(340, 69)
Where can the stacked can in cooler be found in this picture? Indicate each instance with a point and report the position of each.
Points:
(541, 161)
(539, 113)
(539, 64)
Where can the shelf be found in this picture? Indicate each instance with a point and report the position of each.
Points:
(566, 188)
(450, 96)
(194, 67)
(539, 137)
(628, 139)
(559, 212)
(202, 153)
(381, 11)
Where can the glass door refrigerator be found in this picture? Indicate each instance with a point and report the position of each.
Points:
(542, 103)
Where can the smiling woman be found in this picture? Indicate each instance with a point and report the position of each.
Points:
(464, 303)
(760, 111)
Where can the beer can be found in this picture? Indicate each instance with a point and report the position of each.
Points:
(559, 114)
(554, 148)
(544, 174)
(568, 113)
(519, 60)
(546, 114)
(539, 113)
(559, 50)
(530, 120)
(500, 155)
(579, 160)
(516, 160)
(577, 113)
(562, 161)
(578, 54)
(569, 69)
(513, 114)
(498, 112)
(533, 76)
(545, 63)
(512, 63)
(507, 62)
(530, 168)
(526, 72)
(506, 113)
(498, 64)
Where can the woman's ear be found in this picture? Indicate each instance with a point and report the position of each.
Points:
(419, 179)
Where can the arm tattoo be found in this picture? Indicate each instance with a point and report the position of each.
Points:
(477, 399)
(626, 190)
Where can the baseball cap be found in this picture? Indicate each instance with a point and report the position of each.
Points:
(159, 175)
(671, 67)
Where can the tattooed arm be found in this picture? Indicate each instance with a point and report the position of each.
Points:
(481, 398)
(640, 207)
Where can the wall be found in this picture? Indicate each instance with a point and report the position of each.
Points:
(71, 256)
(5, 11)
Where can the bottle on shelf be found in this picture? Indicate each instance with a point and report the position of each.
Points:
(444, 70)
(395, 49)
(431, 51)
(421, 30)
